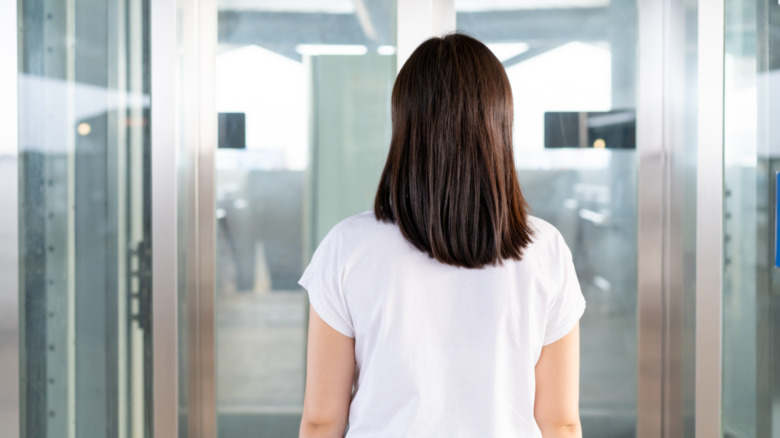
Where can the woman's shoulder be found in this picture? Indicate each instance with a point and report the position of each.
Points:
(546, 237)
(357, 226)
(354, 222)
(542, 229)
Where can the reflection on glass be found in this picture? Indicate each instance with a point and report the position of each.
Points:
(751, 283)
(572, 66)
(85, 249)
(303, 92)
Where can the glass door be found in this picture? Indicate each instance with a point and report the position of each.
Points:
(751, 272)
(573, 71)
(303, 96)
(84, 219)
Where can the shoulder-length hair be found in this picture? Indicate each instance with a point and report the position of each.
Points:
(449, 181)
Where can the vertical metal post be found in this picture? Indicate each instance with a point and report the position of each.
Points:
(418, 20)
(709, 220)
(679, 294)
(164, 236)
(9, 231)
(203, 381)
(197, 125)
(652, 218)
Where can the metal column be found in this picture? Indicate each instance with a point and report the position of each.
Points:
(651, 215)
(200, 146)
(9, 249)
(196, 145)
(709, 221)
(164, 208)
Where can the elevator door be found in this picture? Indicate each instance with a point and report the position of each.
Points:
(303, 95)
(84, 164)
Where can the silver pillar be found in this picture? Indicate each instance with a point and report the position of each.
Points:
(9, 247)
(652, 154)
(198, 147)
(709, 221)
(164, 237)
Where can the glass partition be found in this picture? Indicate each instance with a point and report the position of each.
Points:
(303, 95)
(572, 66)
(751, 279)
(84, 218)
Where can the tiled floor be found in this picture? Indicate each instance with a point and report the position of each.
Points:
(261, 351)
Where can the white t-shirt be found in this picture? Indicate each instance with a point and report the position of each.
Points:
(441, 351)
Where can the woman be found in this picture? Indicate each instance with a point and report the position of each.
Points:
(451, 310)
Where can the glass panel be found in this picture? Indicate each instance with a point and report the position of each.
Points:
(303, 91)
(572, 66)
(84, 214)
(751, 283)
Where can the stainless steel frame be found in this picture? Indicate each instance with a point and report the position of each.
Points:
(709, 221)
(680, 79)
(202, 304)
(164, 237)
(196, 124)
(666, 317)
(653, 190)
(9, 231)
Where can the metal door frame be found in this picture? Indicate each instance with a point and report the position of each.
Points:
(9, 237)
(198, 57)
(652, 208)
(170, 21)
(164, 213)
(709, 221)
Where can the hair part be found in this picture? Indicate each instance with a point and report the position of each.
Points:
(449, 181)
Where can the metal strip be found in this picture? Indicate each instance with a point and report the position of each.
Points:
(9, 226)
(679, 295)
(709, 220)
(197, 33)
(164, 237)
(205, 336)
(418, 20)
(651, 218)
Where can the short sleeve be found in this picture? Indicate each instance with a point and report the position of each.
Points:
(567, 304)
(322, 281)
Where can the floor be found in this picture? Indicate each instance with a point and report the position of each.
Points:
(261, 351)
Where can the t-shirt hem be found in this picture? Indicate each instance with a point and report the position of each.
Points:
(321, 309)
(567, 327)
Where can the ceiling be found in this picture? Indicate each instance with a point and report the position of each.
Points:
(348, 6)
(501, 5)
(318, 6)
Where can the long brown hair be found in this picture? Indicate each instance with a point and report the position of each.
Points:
(449, 181)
